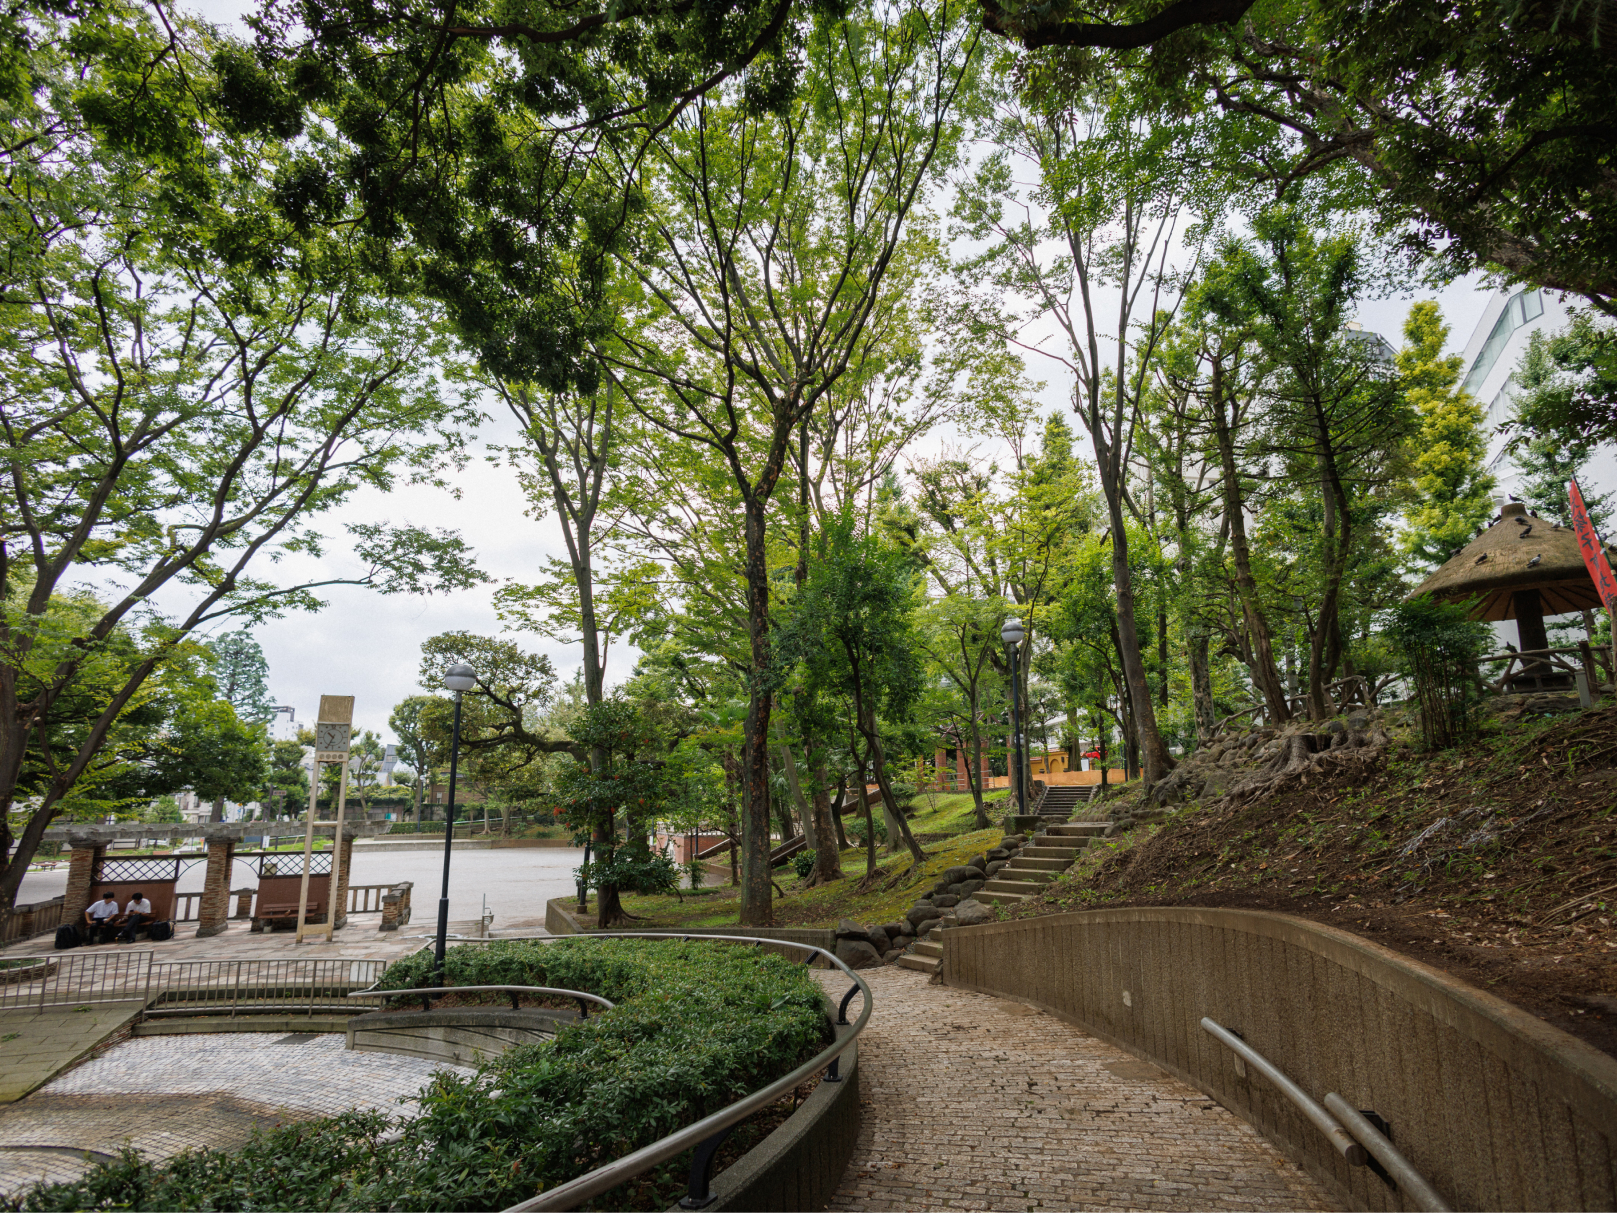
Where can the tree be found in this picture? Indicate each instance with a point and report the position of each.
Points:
(769, 233)
(513, 689)
(1335, 420)
(189, 381)
(1104, 214)
(1453, 492)
(242, 675)
(1552, 440)
(406, 721)
(961, 637)
(1481, 134)
(214, 753)
(852, 632)
(289, 776)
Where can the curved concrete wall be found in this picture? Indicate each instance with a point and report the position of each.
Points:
(459, 1036)
(1496, 1109)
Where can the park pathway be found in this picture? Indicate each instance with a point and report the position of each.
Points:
(973, 1102)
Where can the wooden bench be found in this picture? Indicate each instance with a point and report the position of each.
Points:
(277, 903)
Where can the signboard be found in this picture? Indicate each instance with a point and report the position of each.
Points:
(1594, 555)
(336, 709)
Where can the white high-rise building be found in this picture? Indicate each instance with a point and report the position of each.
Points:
(1491, 356)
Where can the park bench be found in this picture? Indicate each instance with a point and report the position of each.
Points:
(278, 901)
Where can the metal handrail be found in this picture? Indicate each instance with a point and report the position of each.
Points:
(1405, 1176)
(1354, 1153)
(576, 1191)
(427, 993)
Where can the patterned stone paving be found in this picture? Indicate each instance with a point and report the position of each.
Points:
(165, 1094)
(972, 1102)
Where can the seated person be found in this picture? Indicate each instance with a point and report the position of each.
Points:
(101, 919)
(136, 915)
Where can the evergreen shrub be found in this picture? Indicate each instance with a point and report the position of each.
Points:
(696, 1027)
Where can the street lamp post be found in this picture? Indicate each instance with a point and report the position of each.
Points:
(1012, 635)
(459, 678)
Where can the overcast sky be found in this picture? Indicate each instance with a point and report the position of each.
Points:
(369, 646)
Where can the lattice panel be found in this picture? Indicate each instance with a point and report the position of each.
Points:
(153, 870)
(291, 864)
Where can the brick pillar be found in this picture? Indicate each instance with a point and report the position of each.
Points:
(244, 903)
(390, 910)
(216, 887)
(81, 865)
(404, 901)
(339, 882)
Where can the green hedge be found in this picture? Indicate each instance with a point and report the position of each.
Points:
(697, 1026)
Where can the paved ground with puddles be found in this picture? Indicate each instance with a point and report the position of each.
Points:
(973, 1102)
(165, 1094)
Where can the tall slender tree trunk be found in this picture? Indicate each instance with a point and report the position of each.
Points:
(1264, 672)
(1338, 536)
(756, 907)
(837, 808)
(1201, 687)
(864, 807)
(827, 855)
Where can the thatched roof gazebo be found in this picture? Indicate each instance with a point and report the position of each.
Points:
(1522, 567)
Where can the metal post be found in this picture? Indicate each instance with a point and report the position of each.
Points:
(1016, 738)
(449, 842)
(336, 855)
(308, 845)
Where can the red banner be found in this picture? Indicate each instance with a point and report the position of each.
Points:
(1594, 556)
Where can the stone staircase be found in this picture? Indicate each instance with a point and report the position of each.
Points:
(1046, 856)
(1061, 800)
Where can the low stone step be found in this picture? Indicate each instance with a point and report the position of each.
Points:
(1040, 860)
(1035, 875)
(927, 947)
(921, 964)
(1001, 898)
(1079, 829)
(1019, 888)
(1066, 851)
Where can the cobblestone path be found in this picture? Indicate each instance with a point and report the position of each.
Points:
(165, 1094)
(972, 1102)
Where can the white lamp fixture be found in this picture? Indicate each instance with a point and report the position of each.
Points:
(460, 677)
(1012, 632)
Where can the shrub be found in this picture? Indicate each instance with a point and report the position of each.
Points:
(1440, 645)
(803, 864)
(697, 1026)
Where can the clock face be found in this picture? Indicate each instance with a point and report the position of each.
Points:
(331, 738)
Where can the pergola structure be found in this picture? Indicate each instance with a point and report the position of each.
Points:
(89, 843)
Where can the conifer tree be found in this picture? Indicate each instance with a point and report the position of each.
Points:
(1452, 488)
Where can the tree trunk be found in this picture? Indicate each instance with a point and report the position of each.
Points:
(756, 909)
(1263, 667)
(827, 855)
(1158, 762)
(1201, 688)
(1338, 534)
(974, 768)
(864, 806)
(838, 806)
(218, 812)
(889, 803)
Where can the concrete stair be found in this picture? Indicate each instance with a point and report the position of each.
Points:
(1061, 800)
(1049, 855)
(924, 956)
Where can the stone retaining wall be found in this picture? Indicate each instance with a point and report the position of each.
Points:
(1496, 1109)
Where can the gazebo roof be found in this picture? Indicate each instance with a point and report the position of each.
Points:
(1519, 552)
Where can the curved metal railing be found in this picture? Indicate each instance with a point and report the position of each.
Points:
(428, 993)
(706, 1134)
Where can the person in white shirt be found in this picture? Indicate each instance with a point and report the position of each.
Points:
(136, 915)
(101, 919)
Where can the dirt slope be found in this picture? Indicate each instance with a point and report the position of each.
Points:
(1496, 862)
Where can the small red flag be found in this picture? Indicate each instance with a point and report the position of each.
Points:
(1594, 555)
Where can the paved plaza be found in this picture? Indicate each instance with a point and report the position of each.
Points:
(972, 1102)
(165, 1094)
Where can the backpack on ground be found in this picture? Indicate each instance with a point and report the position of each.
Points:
(67, 936)
(159, 931)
